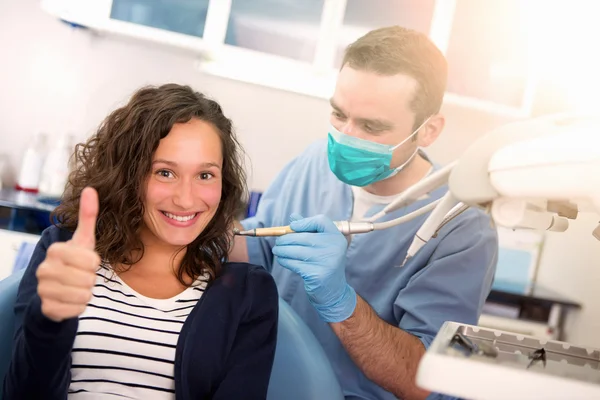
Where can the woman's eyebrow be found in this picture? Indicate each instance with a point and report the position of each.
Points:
(174, 164)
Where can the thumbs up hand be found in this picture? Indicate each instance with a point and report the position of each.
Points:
(68, 274)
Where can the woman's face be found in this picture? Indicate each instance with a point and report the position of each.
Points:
(183, 190)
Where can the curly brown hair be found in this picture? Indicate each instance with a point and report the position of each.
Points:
(116, 162)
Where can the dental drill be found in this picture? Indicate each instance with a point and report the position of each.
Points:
(345, 227)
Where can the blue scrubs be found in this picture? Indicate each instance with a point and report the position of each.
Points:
(448, 279)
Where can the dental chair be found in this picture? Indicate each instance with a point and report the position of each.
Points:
(301, 370)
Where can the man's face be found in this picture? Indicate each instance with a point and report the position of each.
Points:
(375, 108)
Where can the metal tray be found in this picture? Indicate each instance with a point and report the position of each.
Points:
(524, 352)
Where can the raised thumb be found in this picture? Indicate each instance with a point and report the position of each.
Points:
(85, 234)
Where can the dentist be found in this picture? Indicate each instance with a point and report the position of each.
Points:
(374, 317)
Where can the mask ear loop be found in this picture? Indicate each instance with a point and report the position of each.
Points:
(414, 154)
(405, 163)
(411, 135)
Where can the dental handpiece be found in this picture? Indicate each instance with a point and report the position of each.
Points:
(346, 228)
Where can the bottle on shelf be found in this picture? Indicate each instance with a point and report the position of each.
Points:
(55, 170)
(31, 165)
(3, 166)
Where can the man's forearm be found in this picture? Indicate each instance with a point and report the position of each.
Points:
(386, 354)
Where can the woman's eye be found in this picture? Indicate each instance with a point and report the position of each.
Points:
(206, 175)
(164, 173)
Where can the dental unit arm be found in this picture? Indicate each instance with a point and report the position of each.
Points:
(535, 174)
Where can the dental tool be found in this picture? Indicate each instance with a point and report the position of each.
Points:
(346, 227)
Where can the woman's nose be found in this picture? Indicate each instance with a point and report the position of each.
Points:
(184, 195)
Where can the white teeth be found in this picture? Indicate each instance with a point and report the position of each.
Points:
(179, 218)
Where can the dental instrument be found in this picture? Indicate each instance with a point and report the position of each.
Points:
(345, 227)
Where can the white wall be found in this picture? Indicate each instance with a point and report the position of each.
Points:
(570, 264)
(53, 79)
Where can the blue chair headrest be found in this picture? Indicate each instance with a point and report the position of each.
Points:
(301, 370)
(8, 294)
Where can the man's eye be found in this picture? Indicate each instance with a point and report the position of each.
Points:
(374, 129)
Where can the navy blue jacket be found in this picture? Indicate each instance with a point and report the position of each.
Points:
(225, 349)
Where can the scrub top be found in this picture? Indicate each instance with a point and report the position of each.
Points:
(449, 278)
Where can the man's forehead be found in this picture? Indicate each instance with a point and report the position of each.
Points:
(367, 95)
(374, 118)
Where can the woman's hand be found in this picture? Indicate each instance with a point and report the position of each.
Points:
(68, 274)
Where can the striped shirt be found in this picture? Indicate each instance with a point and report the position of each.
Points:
(125, 343)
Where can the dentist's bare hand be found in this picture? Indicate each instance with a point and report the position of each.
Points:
(68, 274)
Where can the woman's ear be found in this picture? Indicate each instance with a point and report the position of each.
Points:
(431, 130)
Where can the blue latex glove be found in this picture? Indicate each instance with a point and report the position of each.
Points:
(319, 258)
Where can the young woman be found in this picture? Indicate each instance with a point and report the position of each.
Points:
(129, 295)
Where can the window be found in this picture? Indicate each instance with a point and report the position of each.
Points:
(487, 52)
(298, 45)
(361, 16)
(287, 28)
(187, 17)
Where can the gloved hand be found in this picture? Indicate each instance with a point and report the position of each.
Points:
(319, 258)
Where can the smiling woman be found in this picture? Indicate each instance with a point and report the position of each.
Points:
(159, 144)
(131, 289)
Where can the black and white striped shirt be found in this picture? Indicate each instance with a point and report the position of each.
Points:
(125, 343)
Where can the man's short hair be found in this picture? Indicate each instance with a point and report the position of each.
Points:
(397, 50)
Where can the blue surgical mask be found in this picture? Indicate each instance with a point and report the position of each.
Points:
(360, 162)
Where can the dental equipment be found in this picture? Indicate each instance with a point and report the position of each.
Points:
(345, 227)
(471, 362)
(522, 174)
(431, 224)
(417, 191)
(535, 174)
